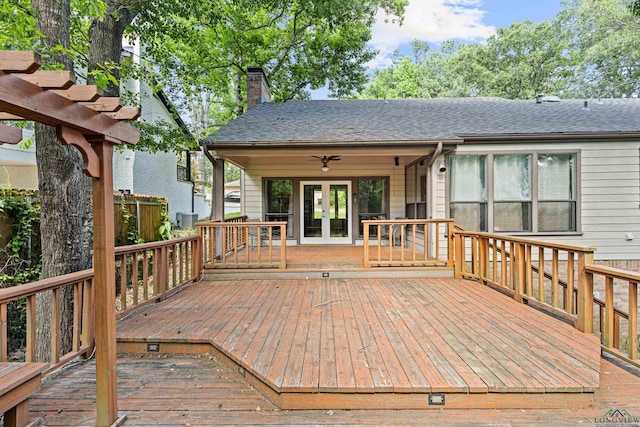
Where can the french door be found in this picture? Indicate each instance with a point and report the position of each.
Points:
(326, 212)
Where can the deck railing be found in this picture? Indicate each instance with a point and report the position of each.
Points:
(243, 244)
(149, 272)
(558, 278)
(83, 331)
(145, 273)
(408, 243)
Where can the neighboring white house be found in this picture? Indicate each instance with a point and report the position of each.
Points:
(559, 170)
(153, 174)
(18, 165)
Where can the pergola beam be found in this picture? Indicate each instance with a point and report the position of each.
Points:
(50, 79)
(125, 113)
(86, 93)
(104, 104)
(21, 98)
(10, 134)
(13, 61)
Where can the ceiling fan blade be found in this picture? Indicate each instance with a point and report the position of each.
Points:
(334, 158)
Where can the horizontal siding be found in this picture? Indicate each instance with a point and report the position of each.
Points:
(305, 167)
(610, 194)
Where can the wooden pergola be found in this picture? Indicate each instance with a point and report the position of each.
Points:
(93, 125)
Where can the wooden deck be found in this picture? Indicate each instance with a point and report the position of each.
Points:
(377, 343)
(201, 390)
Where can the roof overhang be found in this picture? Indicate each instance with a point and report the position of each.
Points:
(552, 136)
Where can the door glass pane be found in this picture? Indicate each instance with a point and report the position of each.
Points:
(312, 226)
(512, 177)
(279, 199)
(338, 210)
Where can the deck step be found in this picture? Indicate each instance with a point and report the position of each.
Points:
(375, 343)
(301, 274)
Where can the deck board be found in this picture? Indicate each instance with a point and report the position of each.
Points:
(197, 390)
(376, 336)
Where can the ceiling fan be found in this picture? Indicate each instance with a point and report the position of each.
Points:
(325, 161)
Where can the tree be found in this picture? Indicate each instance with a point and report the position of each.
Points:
(301, 44)
(64, 189)
(518, 62)
(604, 41)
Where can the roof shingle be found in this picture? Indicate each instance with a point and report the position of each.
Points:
(425, 120)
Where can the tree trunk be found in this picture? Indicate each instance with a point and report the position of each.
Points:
(105, 41)
(64, 196)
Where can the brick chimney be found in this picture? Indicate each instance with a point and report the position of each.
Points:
(258, 89)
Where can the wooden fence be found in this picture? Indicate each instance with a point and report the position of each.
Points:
(139, 214)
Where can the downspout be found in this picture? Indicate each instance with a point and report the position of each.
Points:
(432, 161)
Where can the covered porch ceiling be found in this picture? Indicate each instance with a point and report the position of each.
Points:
(241, 154)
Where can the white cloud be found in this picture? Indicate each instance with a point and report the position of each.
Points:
(429, 20)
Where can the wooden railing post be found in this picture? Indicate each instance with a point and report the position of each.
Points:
(283, 246)
(459, 257)
(197, 254)
(365, 232)
(585, 293)
(520, 272)
(450, 244)
(633, 320)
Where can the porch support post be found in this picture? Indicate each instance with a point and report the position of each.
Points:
(218, 190)
(104, 287)
(218, 204)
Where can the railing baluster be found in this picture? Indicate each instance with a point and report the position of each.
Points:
(4, 336)
(123, 282)
(541, 295)
(134, 278)
(610, 313)
(633, 321)
(555, 280)
(77, 316)
(56, 339)
(529, 273)
(570, 280)
(30, 355)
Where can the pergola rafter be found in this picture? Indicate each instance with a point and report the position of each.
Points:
(91, 124)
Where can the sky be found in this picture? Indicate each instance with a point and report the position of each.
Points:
(435, 21)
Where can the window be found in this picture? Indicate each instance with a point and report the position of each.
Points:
(468, 191)
(279, 202)
(514, 193)
(557, 192)
(371, 200)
